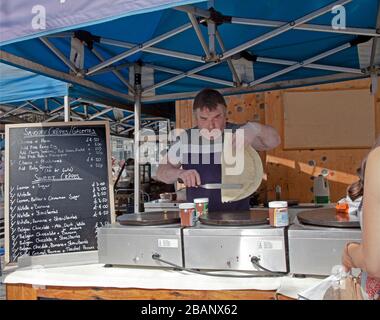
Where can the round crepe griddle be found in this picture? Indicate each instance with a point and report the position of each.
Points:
(238, 218)
(149, 219)
(327, 217)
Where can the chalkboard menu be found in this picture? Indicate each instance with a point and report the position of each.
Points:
(58, 187)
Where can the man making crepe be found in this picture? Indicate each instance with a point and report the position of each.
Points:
(195, 163)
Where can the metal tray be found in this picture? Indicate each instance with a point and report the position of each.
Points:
(149, 219)
(327, 217)
(239, 218)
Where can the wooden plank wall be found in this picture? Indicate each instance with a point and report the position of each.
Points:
(241, 108)
(293, 170)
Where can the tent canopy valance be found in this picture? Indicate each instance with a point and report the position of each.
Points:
(180, 47)
(20, 85)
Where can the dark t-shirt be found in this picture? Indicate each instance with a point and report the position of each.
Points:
(207, 163)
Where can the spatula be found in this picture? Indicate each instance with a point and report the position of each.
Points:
(220, 186)
(212, 186)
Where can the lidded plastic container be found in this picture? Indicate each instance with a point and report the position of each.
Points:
(278, 213)
(187, 214)
(201, 206)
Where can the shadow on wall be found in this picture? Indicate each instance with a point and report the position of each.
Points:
(296, 179)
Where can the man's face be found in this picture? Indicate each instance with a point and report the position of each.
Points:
(209, 121)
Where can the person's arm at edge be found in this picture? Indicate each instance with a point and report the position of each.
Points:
(366, 256)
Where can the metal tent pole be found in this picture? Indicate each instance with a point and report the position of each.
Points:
(284, 28)
(139, 48)
(199, 34)
(310, 66)
(96, 115)
(194, 76)
(261, 87)
(35, 107)
(266, 36)
(39, 68)
(66, 108)
(307, 27)
(4, 115)
(234, 73)
(374, 79)
(182, 75)
(115, 72)
(137, 137)
(60, 55)
(211, 28)
(276, 24)
(164, 52)
(46, 104)
(300, 64)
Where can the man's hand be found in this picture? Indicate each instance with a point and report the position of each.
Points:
(190, 178)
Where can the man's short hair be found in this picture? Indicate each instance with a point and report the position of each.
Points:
(209, 99)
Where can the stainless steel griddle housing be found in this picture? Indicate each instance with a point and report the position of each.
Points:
(315, 250)
(302, 249)
(135, 245)
(229, 240)
(205, 246)
(231, 248)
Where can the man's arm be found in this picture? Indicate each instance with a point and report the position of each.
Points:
(267, 139)
(170, 173)
(260, 137)
(167, 172)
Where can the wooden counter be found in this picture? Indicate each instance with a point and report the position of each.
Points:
(29, 292)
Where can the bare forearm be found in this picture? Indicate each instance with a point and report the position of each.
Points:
(371, 263)
(371, 217)
(363, 261)
(356, 254)
(266, 137)
(167, 173)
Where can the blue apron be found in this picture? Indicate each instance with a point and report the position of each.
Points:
(210, 171)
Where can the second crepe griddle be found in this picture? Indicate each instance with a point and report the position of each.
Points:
(149, 219)
(327, 218)
(238, 218)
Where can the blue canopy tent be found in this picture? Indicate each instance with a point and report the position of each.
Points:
(158, 50)
(26, 93)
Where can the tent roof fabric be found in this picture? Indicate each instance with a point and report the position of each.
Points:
(25, 19)
(20, 85)
(264, 45)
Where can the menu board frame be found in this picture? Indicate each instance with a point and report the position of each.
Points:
(86, 254)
